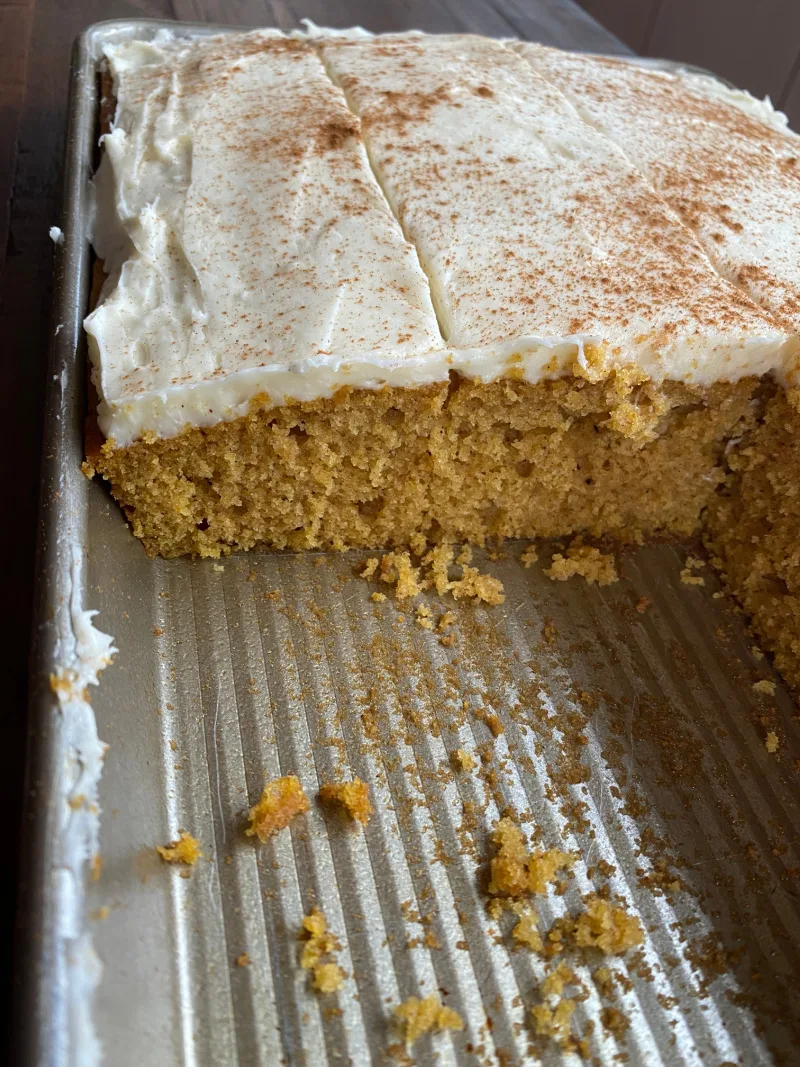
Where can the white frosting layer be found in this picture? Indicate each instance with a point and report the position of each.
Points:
(247, 243)
(251, 250)
(724, 161)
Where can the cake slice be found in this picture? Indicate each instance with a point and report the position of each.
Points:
(728, 165)
(380, 291)
(249, 249)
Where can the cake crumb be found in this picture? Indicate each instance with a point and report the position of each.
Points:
(756, 652)
(555, 1022)
(515, 871)
(556, 982)
(157, 631)
(280, 801)
(691, 579)
(438, 561)
(417, 1017)
(446, 620)
(614, 1022)
(96, 867)
(607, 927)
(772, 742)
(319, 943)
(102, 913)
(352, 797)
(242, 960)
(494, 724)
(529, 556)
(463, 760)
(526, 931)
(328, 978)
(585, 561)
(478, 586)
(642, 604)
(433, 572)
(185, 850)
(764, 686)
(397, 569)
(424, 617)
(378, 598)
(604, 981)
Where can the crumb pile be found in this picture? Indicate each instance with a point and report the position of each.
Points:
(433, 572)
(281, 800)
(588, 562)
(515, 871)
(319, 945)
(350, 797)
(416, 1017)
(186, 850)
(600, 926)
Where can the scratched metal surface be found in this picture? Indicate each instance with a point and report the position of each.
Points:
(230, 674)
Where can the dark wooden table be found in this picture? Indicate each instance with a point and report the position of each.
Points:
(35, 41)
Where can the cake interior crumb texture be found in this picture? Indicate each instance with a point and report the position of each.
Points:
(588, 440)
(457, 462)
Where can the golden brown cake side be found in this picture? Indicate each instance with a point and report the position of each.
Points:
(461, 461)
(753, 530)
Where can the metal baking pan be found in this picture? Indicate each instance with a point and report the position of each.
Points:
(231, 673)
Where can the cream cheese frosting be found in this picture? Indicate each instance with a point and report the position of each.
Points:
(724, 161)
(266, 232)
(248, 246)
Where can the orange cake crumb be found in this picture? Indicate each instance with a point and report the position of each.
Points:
(433, 572)
(185, 850)
(590, 563)
(514, 870)
(242, 960)
(526, 931)
(463, 760)
(529, 556)
(397, 569)
(351, 797)
(691, 579)
(418, 1017)
(328, 978)
(554, 1022)
(558, 979)
(318, 943)
(614, 1022)
(607, 927)
(281, 800)
(604, 981)
(477, 586)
